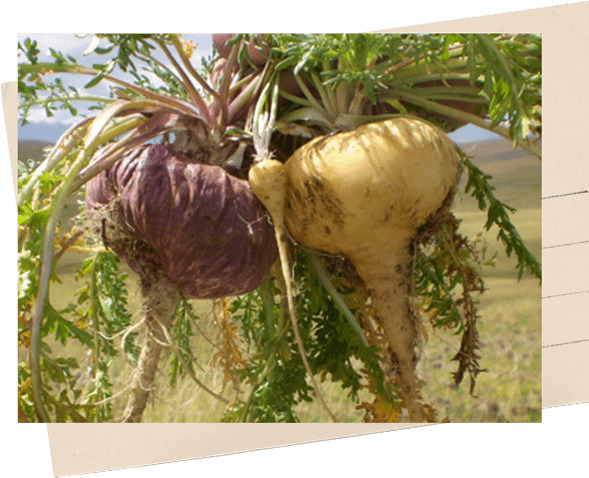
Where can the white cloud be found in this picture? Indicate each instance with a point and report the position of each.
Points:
(37, 115)
(76, 45)
(68, 44)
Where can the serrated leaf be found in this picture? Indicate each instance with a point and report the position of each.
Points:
(94, 81)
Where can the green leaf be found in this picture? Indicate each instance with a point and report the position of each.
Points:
(94, 81)
(498, 215)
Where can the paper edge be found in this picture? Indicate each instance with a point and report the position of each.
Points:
(9, 97)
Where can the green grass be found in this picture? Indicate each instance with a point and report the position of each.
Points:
(528, 222)
(509, 328)
(510, 335)
(510, 323)
(511, 352)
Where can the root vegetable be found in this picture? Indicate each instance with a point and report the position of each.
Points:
(203, 227)
(160, 299)
(220, 42)
(187, 229)
(256, 48)
(365, 194)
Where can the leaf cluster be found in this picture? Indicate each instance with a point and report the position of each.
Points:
(34, 91)
(480, 188)
(493, 81)
(274, 369)
(451, 302)
(71, 391)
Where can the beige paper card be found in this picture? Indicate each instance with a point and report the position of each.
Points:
(11, 120)
(78, 449)
(565, 191)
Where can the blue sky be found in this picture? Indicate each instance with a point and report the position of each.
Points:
(41, 127)
(44, 128)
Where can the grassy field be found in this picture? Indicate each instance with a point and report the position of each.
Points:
(510, 324)
(509, 327)
(510, 331)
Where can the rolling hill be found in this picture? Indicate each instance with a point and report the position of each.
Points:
(517, 174)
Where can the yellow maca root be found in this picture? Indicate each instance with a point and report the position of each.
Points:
(364, 194)
(268, 183)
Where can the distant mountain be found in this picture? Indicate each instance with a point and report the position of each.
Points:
(49, 132)
(32, 149)
(484, 152)
(516, 174)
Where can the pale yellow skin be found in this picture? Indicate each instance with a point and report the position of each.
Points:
(363, 194)
(366, 188)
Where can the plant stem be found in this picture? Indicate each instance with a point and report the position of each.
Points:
(269, 185)
(337, 299)
(46, 268)
(48, 100)
(178, 105)
(316, 104)
(202, 106)
(468, 118)
(62, 148)
(191, 70)
(94, 306)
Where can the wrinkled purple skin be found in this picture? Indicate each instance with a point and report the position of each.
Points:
(210, 234)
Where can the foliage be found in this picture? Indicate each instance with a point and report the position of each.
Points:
(493, 81)
(275, 372)
(501, 74)
(94, 319)
(498, 215)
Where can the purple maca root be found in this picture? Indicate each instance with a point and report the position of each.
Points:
(203, 228)
(188, 229)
